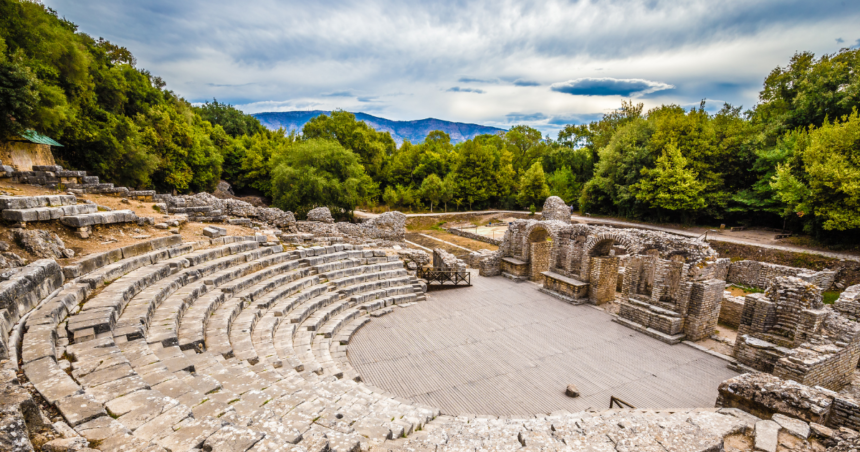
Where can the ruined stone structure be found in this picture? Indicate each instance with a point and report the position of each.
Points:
(240, 344)
(765, 395)
(848, 303)
(789, 332)
(760, 274)
(671, 287)
(554, 209)
(443, 260)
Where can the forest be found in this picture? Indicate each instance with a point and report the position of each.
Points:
(792, 160)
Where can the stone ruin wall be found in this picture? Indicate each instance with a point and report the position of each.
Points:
(789, 332)
(473, 236)
(760, 274)
(764, 395)
(445, 261)
(848, 303)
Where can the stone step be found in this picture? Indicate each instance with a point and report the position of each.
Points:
(90, 219)
(47, 213)
(31, 202)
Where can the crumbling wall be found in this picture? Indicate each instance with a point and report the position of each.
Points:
(731, 309)
(554, 209)
(848, 303)
(443, 260)
(473, 236)
(789, 332)
(764, 395)
(760, 274)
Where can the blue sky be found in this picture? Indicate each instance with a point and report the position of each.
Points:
(497, 63)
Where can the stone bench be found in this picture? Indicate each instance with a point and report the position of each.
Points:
(99, 218)
(32, 202)
(47, 213)
(514, 268)
(568, 289)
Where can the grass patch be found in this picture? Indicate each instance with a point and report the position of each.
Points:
(748, 289)
(438, 226)
(830, 296)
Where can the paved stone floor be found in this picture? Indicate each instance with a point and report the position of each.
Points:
(504, 348)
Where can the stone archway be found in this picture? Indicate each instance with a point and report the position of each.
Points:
(600, 265)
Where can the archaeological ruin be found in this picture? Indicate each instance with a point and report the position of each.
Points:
(289, 337)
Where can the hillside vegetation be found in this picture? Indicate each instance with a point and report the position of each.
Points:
(793, 159)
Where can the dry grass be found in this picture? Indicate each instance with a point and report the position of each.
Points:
(105, 238)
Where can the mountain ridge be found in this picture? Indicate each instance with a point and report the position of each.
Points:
(415, 131)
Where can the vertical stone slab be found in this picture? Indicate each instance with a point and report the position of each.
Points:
(704, 308)
(603, 279)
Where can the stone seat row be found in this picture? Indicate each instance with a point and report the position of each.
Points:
(179, 364)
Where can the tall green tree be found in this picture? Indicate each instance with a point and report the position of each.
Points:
(320, 173)
(533, 187)
(822, 182)
(432, 189)
(671, 185)
(372, 147)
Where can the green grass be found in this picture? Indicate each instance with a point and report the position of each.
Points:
(830, 297)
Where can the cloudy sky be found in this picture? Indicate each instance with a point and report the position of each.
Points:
(497, 63)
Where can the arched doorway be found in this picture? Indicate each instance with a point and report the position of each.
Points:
(602, 270)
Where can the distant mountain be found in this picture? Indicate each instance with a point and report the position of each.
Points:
(414, 131)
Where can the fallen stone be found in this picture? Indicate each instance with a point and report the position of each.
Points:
(214, 232)
(160, 225)
(766, 436)
(571, 391)
(796, 427)
(66, 445)
(820, 431)
(320, 214)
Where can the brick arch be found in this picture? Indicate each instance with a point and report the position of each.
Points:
(526, 249)
(595, 240)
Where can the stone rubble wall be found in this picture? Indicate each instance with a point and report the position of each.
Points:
(759, 274)
(848, 302)
(764, 395)
(731, 310)
(443, 260)
(473, 236)
(554, 209)
(231, 207)
(789, 332)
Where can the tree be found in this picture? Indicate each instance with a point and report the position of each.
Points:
(823, 180)
(474, 172)
(389, 197)
(320, 173)
(372, 147)
(670, 185)
(19, 97)
(432, 189)
(533, 187)
(234, 122)
(449, 187)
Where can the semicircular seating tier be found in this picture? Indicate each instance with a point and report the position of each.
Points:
(235, 344)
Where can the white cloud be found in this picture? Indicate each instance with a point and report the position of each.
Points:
(405, 55)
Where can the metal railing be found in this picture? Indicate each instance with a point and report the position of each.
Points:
(613, 401)
(442, 277)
